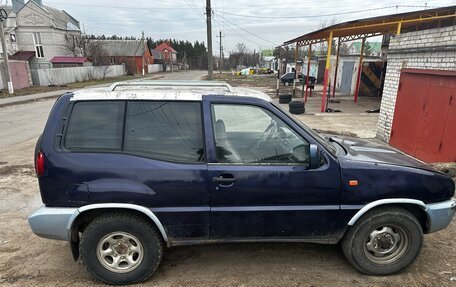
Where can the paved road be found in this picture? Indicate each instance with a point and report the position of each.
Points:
(22, 122)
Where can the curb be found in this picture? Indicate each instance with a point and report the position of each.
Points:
(28, 101)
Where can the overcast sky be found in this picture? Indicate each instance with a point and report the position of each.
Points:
(256, 27)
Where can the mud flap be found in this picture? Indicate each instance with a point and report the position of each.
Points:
(74, 244)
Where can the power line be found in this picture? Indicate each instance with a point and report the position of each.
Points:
(317, 15)
(138, 20)
(194, 7)
(253, 34)
(121, 7)
(228, 27)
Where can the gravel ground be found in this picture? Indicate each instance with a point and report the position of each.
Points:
(27, 260)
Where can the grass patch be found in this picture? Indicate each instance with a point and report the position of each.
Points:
(265, 83)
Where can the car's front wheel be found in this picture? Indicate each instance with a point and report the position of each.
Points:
(383, 241)
(286, 84)
(121, 248)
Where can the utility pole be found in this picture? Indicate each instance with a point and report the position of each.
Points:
(221, 52)
(144, 46)
(6, 67)
(209, 39)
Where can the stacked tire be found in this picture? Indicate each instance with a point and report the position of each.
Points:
(297, 107)
(284, 98)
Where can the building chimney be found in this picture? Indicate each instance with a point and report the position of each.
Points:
(17, 5)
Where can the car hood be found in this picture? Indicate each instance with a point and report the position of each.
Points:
(372, 151)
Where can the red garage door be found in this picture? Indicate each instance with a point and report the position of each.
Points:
(424, 123)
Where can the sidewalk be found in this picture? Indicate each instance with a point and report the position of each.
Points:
(31, 98)
(54, 94)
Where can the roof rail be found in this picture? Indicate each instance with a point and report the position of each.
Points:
(154, 83)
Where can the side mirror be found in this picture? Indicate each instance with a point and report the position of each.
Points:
(315, 156)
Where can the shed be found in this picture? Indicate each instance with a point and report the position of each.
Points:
(67, 61)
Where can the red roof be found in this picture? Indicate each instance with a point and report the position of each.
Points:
(69, 60)
(22, 55)
(163, 46)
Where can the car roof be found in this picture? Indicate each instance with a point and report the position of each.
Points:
(165, 90)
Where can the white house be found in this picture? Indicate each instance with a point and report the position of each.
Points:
(42, 29)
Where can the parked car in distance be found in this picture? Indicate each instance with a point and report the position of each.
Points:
(288, 78)
(126, 171)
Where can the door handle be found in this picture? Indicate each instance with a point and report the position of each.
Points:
(225, 180)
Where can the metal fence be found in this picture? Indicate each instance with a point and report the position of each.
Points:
(155, 68)
(60, 76)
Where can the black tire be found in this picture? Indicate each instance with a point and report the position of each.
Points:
(296, 105)
(148, 236)
(297, 110)
(284, 98)
(399, 221)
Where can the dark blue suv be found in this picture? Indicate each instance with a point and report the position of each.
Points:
(125, 171)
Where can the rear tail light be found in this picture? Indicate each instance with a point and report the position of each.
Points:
(39, 164)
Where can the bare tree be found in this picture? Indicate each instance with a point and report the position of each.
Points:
(344, 48)
(241, 48)
(80, 45)
(368, 49)
(323, 47)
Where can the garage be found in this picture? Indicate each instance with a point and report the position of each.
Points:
(425, 115)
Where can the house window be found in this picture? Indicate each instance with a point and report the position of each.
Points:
(39, 52)
(13, 38)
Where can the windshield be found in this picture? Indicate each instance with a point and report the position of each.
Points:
(329, 147)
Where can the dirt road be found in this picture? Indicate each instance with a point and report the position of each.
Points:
(28, 260)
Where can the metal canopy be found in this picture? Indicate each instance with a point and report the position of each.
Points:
(376, 26)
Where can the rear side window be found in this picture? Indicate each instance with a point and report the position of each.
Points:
(95, 126)
(170, 131)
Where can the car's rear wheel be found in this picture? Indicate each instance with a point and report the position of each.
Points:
(121, 248)
(286, 84)
(383, 241)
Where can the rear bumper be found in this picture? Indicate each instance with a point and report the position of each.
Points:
(52, 222)
(440, 214)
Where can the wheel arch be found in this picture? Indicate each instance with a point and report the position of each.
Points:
(416, 207)
(85, 214)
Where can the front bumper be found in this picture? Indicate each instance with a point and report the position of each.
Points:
(440, 214)
(52, 222)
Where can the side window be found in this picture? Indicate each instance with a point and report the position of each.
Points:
(95, 126)
(165, 130)
(253, 135)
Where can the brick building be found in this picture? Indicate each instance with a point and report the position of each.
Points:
(433, 49)
(128, 52)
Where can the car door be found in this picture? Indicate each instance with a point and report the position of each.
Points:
(148, 153)
(262, 186)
